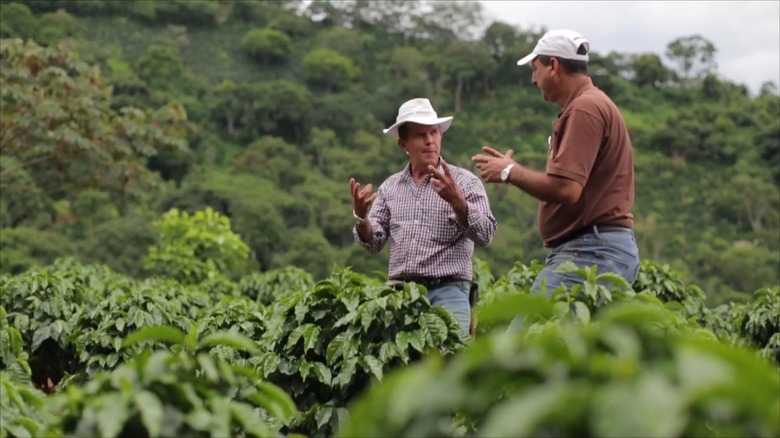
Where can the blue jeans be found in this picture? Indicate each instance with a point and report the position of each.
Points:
(613, 250)
(453, 296)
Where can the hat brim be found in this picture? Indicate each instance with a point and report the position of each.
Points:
(442, 122)
(528, 58)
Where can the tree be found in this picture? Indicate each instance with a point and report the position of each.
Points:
(328, 68)
(59, 127)
(649, 70)
(226, 104)
(17, 21)
(695, 57)
(54, 26)
(278, 108)
(274, 159)
(267, 45)
(468, 65)
(194, 248)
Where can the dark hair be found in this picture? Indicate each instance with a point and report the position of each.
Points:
(570, 66)
(403, 131)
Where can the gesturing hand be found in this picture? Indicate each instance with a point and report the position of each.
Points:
(444, 184)
(492, 162)
(361, 199)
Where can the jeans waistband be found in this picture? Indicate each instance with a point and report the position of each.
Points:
(429, 282)
(593, 229)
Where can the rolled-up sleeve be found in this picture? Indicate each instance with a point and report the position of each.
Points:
(379, 216)
(481, 226)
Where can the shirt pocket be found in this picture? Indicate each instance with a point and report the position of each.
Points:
(440, 225)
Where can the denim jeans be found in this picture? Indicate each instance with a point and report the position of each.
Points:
(453, 296)
(613, 250)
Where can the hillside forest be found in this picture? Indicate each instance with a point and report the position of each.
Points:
(114, 113)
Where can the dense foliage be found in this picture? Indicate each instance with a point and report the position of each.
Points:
(264, 110)
(177, 258)
(162, 357)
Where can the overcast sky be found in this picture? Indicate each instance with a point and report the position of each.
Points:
(746, 34)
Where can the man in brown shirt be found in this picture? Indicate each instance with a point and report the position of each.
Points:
(587, 191)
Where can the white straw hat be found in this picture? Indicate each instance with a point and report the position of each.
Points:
(419, 111)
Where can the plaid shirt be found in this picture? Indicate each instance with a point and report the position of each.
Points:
(426, 239)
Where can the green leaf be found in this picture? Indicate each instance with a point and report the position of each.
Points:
(310, 337)
(295, 335)
(323, 373)
(347, 371)
(521, 415)
(323, 415)
(209, 367)
(112, 415)
(582, 311)
(162, 333)
(270, 364)
(337, 348)
(374, 366)
(368, 315)
(220, 421)
(417, 340)
(250, 420)
(388, 351)
(230, 339)
(346, 319)
(435, 326)
(156, 366)
(277, 402)
(190, 340)
(151, 412)
(304, 369)
(623, 409)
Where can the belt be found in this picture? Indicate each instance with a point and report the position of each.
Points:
(587, 230)
(429, 282)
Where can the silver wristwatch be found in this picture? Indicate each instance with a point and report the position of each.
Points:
(505, 173)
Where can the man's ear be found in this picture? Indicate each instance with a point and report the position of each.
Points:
(402, 145)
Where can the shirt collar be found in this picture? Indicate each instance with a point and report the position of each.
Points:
(576, 93)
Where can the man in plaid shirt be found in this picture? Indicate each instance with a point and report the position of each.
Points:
(433, 213)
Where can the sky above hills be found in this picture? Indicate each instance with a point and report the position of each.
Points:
(746, 34)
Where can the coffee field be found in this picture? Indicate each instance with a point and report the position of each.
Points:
(191, 352)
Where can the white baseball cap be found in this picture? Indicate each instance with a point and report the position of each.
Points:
(561, 43)
(419, 111)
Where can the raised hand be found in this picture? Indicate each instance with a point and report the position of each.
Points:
(361, 198)
(491, 162)
(444, 184)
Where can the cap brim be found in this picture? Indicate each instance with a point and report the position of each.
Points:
(442, 122)
(525, 60)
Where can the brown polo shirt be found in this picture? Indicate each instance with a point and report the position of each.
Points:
(590, 145)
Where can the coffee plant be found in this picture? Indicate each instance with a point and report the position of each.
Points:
(233, 314)
(44, 305)
(198, 350)
(269, 287)
(759, 323)
(102, 329)
(636, 369)
(181, 392)
(327, 344)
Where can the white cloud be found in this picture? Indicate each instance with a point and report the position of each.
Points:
(746, 34)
